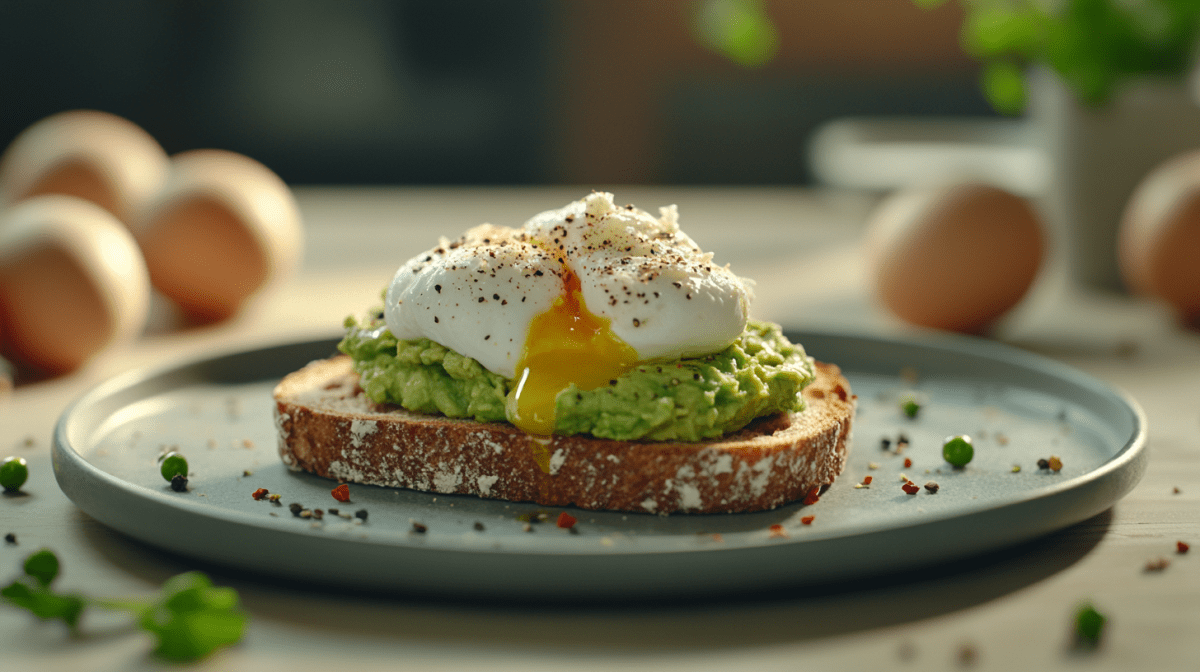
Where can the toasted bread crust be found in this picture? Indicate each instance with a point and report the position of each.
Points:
(328, 427)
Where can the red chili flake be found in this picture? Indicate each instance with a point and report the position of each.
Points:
(867, 480)
(807, 520)
(907, 462)
(565, 520)
(910, 488)
(259, 493)
(341, 493)
(1181, 547)
(778, 531)
(813, 496)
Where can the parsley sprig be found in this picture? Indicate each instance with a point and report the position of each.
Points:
(190, 617)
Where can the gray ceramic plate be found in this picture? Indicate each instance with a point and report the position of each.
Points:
(218, 412)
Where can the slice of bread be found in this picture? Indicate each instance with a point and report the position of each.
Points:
(327, 426)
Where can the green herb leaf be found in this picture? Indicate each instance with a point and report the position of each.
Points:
(740, 29)
(44, 603)
(192, 618)
(42, 566)
(1089, 624)
(1004, 85)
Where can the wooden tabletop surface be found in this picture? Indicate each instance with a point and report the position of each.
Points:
(1011, 610)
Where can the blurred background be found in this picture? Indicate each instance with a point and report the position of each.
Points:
(484, 92)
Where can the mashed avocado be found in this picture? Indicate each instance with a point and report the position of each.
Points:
(684, 400)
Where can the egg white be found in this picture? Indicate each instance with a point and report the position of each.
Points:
(663, 295)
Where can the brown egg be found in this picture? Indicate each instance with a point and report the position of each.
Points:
(1159, 243)
(221, 229)
(953, 257)
(72, 282)
(95, 156)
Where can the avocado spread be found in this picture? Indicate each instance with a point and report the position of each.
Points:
(689, 399)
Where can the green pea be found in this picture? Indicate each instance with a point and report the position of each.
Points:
(958, 450)
(172, 464)
(13, 473)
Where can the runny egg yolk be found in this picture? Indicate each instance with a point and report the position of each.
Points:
(566, 345)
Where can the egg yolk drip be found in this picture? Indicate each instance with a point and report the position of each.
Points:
(566, 345)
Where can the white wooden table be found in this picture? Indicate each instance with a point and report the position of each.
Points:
(1013, 609)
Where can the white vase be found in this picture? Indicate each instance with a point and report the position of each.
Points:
(1098, 155)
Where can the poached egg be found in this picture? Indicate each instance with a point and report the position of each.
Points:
(577, 296)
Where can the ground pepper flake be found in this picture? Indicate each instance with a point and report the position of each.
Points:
(341, 493)
(813, 496)
(178, 483)
(565, 520)
(1157, 564)
(419, 528)
(777, 532)
(910, 488)
(968, 655)
(260, 493)
(1043, 463)
(807, 520)
(295, 508)
(361, 514)
(11, 538)
(1181, 547)
(932, 487)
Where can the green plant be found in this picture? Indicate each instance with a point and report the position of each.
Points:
(190, 617)
(1093, 45)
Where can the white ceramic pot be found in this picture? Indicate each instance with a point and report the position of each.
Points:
(1098, 155)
